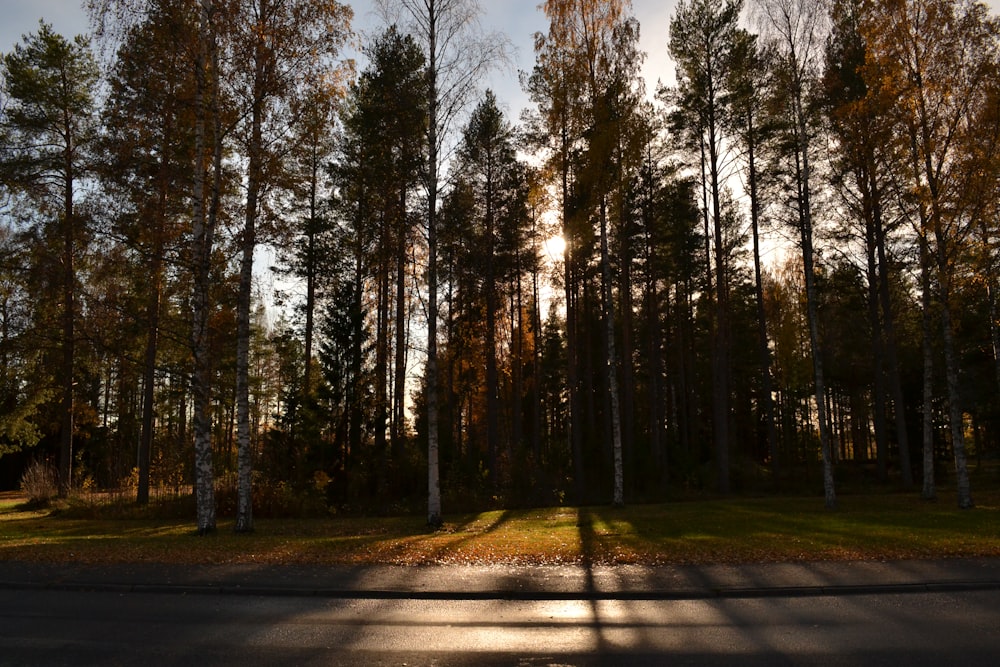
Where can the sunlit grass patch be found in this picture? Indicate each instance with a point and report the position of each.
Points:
(713, 531)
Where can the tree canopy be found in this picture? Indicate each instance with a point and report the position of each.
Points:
(776, 274)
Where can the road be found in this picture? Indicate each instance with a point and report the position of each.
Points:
(39, 627)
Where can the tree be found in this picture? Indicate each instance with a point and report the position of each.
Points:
(866, 169)
(49, 125)
(114, 18)
(379, 166)
(703, 38)
(457, 56)
(940, 59)
(796, 28)
(302, 253)
(205, 204)
(751, 80)
(147, 148)
(25, 384)
(488, 162)
(586, 83)
(552, 86)
(278, 45)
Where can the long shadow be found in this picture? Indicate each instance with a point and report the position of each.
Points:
(694, 577)
(395, 544)
(455, 546)
(597, 549)
(588, 549)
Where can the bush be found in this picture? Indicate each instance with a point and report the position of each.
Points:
(40, 482)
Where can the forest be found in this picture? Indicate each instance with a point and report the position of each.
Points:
(776, 275)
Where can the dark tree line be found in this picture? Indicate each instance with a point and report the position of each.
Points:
(778, 276)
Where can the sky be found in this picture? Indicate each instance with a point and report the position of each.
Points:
(518, 19)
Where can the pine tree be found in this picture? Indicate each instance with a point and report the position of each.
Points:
(796, 29)
(703, 38)
(586, 84)
(49, 126)
(147, 146)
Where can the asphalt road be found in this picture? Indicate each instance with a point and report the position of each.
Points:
(67, 627)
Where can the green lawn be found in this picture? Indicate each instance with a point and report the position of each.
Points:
(889, 526)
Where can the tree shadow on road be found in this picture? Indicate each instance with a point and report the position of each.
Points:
(588, 545)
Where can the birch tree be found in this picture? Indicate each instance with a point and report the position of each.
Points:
(278, 46)
(458, 54)
(941, 59)
(205, 204)
(113, 19)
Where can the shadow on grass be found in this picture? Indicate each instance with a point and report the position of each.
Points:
(469, 536)
(394, 542)
(769, 530)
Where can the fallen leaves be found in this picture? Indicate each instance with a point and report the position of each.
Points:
(731, 531)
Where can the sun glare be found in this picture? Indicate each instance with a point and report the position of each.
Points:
(555, 246)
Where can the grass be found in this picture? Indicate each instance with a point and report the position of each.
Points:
(865, 527)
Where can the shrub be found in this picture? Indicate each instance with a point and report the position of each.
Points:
(40, 482)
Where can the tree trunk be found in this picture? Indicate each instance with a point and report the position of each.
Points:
(891, 351)
(149, 369)
(244, 456)
(720, 332)
(627, 435)
(898, 400)
(311, 269)
(878, 363)
(490, 343)
(763, 349)
(956, 416)
(204, 211)
(994, 329)
(829, 493)
(68, 333)
(574, 424)
(244, 505)
(357, 359)
(382, 366)
(929, 491)
(954, 407)
(944, 288)
(399, 366)
(517, 372)
(654, 337)
(536, 368)
(612, 361)
(433, 472)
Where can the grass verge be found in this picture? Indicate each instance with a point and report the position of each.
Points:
(718, 531)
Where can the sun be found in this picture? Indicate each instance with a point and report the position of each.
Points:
(555, 246)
